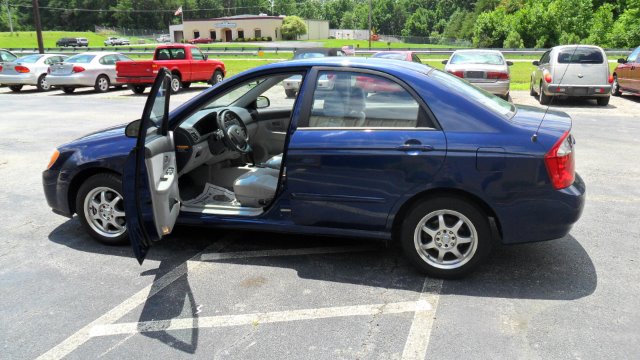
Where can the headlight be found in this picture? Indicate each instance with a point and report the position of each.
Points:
(54, 158)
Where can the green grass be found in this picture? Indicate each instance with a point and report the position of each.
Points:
(28, 39)
(336, 43)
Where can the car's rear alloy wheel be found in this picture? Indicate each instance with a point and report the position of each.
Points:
(446, 237)
(615, 87)
(543, 98)
(100, 209)
(532, 92)
(102, 84)
(42, 84)
(176, 84)
(15, 88)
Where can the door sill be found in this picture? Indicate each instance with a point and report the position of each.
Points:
(223, 210)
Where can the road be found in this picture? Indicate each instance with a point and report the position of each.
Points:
(239, 295)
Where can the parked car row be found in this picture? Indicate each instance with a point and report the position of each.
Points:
(115, 41)
(73, 42)
(626, 76)
(103, 70)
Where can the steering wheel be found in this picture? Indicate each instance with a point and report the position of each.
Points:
(235, 134)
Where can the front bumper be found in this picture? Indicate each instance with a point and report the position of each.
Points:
(500, 88)
(73, 80)
(56, 187)
(578, 91)
(22, 79)
(543, 217)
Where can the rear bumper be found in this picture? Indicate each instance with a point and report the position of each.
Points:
(500, 88)
(545, 217)
(73, 80)
(23, 79)
(578, 91)
(136, 80)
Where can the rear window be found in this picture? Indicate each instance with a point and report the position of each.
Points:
(308, 55)
(395, 56)
(29, 59)
(477, 58)
(170, 54)
(80, 59)
(580, 56)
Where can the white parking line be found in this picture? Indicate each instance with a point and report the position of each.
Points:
(420, 333)
(81, 336)
(256, 318)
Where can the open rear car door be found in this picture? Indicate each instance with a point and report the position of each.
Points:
(151, 196)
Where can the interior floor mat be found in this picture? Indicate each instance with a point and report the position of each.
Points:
(213, 195)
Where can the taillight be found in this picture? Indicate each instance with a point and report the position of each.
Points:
(560, 162)
(547, 77)
(77, 69)
(458, 73)
(610, 79)
(0, 67)
(497, 75)
(22, 69)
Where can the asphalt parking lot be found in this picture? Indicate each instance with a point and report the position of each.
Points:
(240, 295)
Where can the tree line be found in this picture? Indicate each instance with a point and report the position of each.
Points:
(487, 23)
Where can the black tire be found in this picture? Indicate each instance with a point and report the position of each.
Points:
(603, 101)
(615, 87)
(217, 77)
(411, 233)
(176, 84)
(186, 85)
(290, 93)
(15, 88)
(42, 85)
(532, 92)
(137, 89)
(68, 90)
(543, 98)
(102, 84)
(92, 184)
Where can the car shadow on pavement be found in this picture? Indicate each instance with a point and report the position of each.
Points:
(554, 270)
(577, 102)
(194, 89)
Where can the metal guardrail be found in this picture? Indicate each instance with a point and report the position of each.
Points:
(254, 50)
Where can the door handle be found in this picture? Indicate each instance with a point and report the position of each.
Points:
(414, 147)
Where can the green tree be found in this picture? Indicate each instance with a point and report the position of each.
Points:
(491, 29)
(293, 26)
(601, 26)
(513, 41)
(419, 23)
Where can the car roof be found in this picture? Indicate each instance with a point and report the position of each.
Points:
(562, 47)
(478, 51)
(98, 53)
(379, 64)
(326, 51)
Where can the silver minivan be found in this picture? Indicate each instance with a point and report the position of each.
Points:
(572, 71)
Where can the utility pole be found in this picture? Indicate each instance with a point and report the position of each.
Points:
(369, 24)
(36, 18)
(9, 16)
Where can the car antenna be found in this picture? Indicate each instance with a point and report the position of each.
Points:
(534, 137)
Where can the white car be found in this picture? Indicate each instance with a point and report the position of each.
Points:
(486, 69)
(113, 41)
(29, 70)
(90, 69)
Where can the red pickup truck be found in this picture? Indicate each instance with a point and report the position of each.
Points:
(186, 62)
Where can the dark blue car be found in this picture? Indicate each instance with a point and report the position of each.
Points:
(371, 148)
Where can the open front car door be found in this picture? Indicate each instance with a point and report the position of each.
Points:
(151, 196)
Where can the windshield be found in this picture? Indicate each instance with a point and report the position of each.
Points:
(308, 55)
(477, 58)
(580, 56)
(487, 99)
(80, 59)
(29, 59)
(395, 56)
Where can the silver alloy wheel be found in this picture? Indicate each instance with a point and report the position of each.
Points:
(445, 239)
(104, 211)
(44, 85)
(218, 77)
(175, 84)
(103, 84)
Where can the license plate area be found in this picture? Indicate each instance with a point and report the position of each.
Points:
(474, 74)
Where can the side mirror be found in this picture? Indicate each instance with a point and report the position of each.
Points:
(132, 129)
(509, 63)
(206, 57)
(445, 61)
(622, 61)
(262, 102)
(536, 63)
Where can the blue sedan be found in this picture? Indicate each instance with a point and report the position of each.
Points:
(425, 159)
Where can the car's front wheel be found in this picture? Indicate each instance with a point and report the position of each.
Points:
(176, 84)
(446, 237)
(216, 77)
(100, 208)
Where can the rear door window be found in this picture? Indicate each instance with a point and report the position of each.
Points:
(580, 56)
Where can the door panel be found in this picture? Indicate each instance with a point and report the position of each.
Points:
(151, 195)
